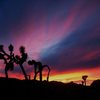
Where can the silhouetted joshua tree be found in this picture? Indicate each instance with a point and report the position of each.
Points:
(8, 58)
(84, 77)
(38, 68)
(20, 60)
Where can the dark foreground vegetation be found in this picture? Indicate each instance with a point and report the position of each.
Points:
(14, 88)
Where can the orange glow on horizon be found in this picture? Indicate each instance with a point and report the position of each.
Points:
(65, 77)
(76, 75)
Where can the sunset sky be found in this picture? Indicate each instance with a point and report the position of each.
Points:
(65, 34)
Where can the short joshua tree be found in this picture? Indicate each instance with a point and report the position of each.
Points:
(84, 77)
(38, 68)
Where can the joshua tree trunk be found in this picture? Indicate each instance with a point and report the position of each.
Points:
(85, 82)
(41, 76)
(35, 73)
(6, 73)
(35, 76)
(25, 75)
(6, 70)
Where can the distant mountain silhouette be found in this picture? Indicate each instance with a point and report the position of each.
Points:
(48, 90)
(96, 83)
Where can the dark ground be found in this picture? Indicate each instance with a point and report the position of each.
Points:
(32, 90)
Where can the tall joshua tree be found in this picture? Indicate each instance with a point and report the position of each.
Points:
(20, 60)
(84, 77)
(8, 58)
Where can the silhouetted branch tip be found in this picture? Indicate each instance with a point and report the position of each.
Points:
(22, 49)
(1, 48)
(11, 48)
